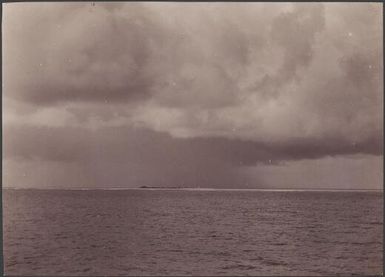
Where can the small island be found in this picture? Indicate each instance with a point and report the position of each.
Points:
(154, 187)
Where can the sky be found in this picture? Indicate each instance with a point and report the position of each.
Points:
(220, 95)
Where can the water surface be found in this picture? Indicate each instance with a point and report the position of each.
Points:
(177, 232)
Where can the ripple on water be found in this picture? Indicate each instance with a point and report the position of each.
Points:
(191, 233)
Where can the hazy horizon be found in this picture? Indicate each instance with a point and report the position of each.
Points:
(216, 95)
(189, 188)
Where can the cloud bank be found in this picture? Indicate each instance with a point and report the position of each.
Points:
(191, 92)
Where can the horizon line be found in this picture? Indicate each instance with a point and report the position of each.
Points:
(192, 188)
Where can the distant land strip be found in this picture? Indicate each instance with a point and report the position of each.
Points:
(200, 189)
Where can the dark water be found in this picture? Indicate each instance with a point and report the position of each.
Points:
(171, 232)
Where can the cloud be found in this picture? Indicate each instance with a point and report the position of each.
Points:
(87, 54)
(117, 144)
(265, 70)
(164, 87)
(295, 32)
(343, 172)
(130, 157)
(119, 156)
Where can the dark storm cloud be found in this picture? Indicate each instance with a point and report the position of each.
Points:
(176, 89)
(124, 157)
(117, 144)
(149, 156)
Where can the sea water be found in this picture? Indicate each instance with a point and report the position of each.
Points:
(189, 232)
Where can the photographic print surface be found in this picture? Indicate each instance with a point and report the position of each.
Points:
(192, 139)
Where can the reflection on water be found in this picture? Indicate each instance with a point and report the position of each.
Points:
(174, 232)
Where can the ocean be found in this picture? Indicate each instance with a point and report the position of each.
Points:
(192, 232)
